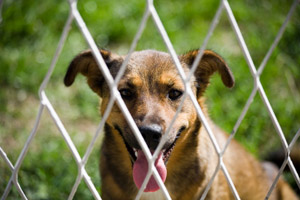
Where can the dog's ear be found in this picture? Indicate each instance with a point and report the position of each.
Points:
(209, 64)
(85, 64)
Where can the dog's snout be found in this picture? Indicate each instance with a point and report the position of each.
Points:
(152, 135)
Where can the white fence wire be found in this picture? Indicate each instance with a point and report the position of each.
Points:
(150, 11)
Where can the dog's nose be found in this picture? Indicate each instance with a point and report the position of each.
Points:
(151, 134)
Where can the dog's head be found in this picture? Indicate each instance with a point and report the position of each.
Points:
(152, 89)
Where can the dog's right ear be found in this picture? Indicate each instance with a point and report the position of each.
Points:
(210, 63)
(85, 64)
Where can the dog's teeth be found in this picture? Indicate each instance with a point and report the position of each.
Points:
(135, 152)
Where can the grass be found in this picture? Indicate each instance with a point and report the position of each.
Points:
(29, 35)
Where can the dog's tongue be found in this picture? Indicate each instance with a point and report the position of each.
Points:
(140, 169)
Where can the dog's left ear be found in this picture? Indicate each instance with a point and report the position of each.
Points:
(85, 64)
(209, 64)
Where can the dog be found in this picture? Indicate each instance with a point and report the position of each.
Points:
(152, 90)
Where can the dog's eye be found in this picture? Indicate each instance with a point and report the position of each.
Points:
(125, 93)
(174, 94)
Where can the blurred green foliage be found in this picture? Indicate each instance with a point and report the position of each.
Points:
(29, 34)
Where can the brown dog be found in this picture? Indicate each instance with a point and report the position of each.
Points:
(152, 89)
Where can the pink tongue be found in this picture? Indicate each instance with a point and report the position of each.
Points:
(140, 169)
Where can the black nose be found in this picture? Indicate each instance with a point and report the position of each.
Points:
(151, 135)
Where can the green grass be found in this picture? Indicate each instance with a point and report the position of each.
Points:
(29, 35)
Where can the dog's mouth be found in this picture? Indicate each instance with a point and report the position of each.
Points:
(140, 162)
(166, 153)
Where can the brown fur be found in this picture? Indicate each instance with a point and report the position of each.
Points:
(151, 88)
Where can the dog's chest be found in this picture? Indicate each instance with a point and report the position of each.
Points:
(158, 195)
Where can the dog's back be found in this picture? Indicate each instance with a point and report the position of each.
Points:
(252, 179)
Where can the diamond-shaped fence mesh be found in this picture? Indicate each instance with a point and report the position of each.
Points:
(150, 12)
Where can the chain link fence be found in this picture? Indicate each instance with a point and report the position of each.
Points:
(151, 12)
